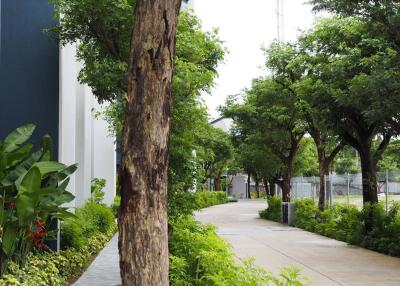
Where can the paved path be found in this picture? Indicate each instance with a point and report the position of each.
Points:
(104, 271)
(325, 261)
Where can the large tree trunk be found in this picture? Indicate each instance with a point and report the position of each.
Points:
(143, 230)
(218, 183)
(368, 171)
(266, 187)
(286, 178)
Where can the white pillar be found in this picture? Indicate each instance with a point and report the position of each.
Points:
(104, 155)
(68, 73)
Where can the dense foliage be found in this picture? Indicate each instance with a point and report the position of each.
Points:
(199, 257)
(103, 29)
(347, 223)
(57, 268)
(33, 192)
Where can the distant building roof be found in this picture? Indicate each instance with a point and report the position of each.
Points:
(223, 123)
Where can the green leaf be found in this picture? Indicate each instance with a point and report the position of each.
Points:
(28, 194)
(63, 214)
(9, 239)
(63, 174)
(16, 175)
(17, 156)
(47, 167)
(47, 146)
(18, 137)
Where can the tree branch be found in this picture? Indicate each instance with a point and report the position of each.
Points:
(382, 147)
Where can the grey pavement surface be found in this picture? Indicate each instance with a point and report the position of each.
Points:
(104, 271)
(274, 246)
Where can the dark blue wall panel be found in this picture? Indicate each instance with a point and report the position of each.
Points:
(29, 63)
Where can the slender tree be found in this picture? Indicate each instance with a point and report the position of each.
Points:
(143, 227)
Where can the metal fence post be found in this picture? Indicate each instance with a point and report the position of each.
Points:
(387, 190)
(348, 189)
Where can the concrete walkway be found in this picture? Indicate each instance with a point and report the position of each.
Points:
(325, 261)
(104, 271)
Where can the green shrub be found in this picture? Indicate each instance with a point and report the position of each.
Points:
(98, 215)
(274, 210)
(371, 227)
(33, 190)
(90, 220)
(116, 204)
(306, 212)
(199, 257)
(207, 198)
(54, 269)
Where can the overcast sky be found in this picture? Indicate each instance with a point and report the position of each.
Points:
(246, 26)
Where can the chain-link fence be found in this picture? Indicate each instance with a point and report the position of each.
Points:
(347, 188)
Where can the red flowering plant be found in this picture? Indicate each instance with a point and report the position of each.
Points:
(32, 193)
(38, 234)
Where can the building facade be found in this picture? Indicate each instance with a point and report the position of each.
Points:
(38, 84)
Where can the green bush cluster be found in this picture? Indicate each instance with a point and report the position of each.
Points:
(199, 257)
(370, 227)
(205, 199)
(115, 205)
(82, 237)
(90, 220)
(274, 210)
(55, 269)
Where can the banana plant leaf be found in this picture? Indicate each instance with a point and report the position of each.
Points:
(18, 137)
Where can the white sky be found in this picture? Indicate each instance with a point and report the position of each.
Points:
(246, 26)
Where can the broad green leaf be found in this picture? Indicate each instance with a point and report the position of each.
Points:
(18, 137)
(47, 167)
(9, 239)
(17, 156)
(28, 194)
(63, 174)
(16, 175)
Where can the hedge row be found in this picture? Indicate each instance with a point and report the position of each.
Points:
(206, 199)
(370, 227)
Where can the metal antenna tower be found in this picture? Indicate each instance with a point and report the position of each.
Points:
(280, 20)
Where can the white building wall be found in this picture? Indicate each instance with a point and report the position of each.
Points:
(83, 139)
(103, 149)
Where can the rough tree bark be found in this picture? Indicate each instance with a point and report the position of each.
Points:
(143, 230)
(218, 182)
